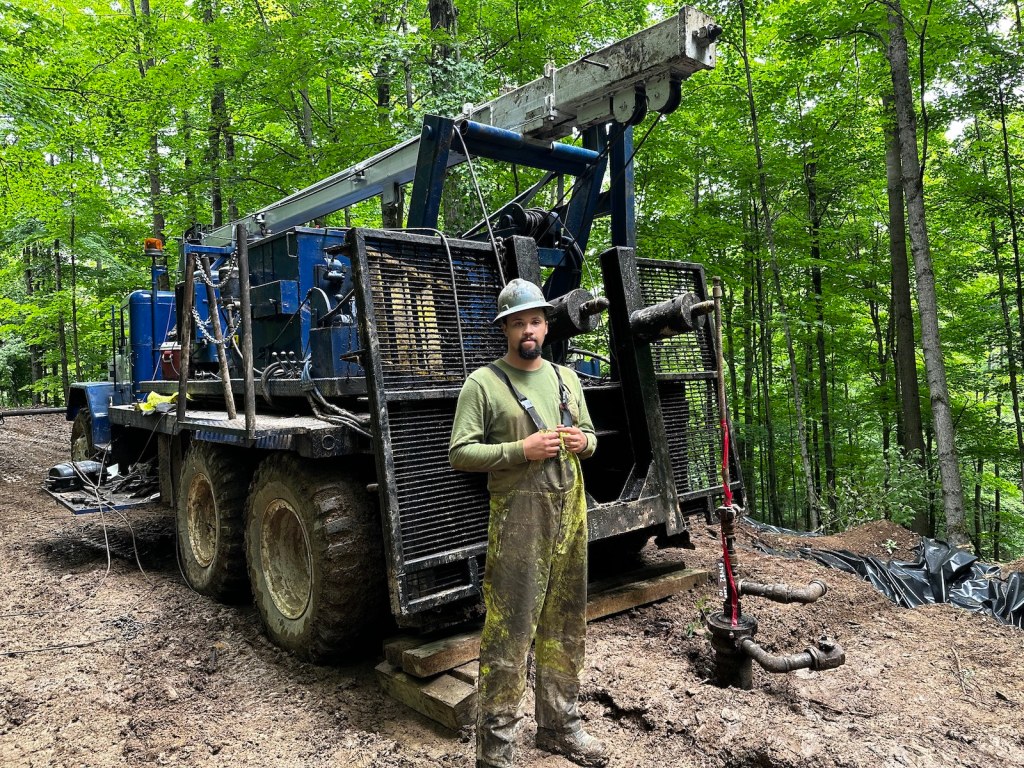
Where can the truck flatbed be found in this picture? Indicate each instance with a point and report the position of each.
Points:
(305, 434)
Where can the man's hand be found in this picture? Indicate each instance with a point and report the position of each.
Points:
(573, 439)
(542, 445)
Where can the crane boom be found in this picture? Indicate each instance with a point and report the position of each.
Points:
(619, 82)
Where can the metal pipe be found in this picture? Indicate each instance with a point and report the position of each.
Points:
(490, 141)
(218, 338)
(826, 655)
(31, 412)
(242, 244)
(188, 301)
(783, 593)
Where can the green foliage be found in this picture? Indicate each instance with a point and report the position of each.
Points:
(98, 102)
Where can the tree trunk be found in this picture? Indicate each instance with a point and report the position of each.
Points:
(729, 302)
(979, 468)
(812, 501)
(35, 367)
(191, 202)
(882, 356)
(62, 338)
(911, 434)
(229, 159)
(218, 109)
(1011, 347)
(74, 299)
(771, 475)
(443, 16)
(996, 508)
(153, 150)
(306, 120)
(913, 189)
(1014, 234)
(746, 444)
(815, 215)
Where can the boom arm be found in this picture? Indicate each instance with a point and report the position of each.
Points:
(620, 82)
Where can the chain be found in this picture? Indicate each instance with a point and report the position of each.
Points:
(200, 324)
(206, 279)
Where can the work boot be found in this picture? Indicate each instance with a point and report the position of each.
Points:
(576, 745)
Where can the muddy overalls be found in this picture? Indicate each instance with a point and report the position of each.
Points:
(535, 580)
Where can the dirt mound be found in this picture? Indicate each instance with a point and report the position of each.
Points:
(1017, 566)
(106, 665)
(880, 538)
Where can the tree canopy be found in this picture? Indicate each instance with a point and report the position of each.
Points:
(124, 119)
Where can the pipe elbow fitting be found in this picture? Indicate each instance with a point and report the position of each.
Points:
(826, 655)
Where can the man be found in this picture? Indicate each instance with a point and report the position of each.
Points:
(524, 421)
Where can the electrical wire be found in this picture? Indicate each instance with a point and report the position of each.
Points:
(100, 503)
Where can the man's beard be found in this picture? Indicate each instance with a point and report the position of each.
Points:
(529, 354)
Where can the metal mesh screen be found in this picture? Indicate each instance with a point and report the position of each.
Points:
(429, 304)
(663, 280)
(431, 333)
(440, 510)
(439, 579)
(694, 438)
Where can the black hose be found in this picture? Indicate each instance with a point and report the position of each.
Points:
(783, 593)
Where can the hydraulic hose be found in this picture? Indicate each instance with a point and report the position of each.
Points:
(783, 593)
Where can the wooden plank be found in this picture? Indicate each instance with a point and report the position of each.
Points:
(444, 699)
(441, 655)
(626, 596)
(394, 647)
(468, 673)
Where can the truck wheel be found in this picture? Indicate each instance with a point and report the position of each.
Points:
(316, 562)
(82, 446)
(209, 521)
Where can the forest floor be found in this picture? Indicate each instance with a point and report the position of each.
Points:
(110, 665)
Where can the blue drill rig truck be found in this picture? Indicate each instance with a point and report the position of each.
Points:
(316, 369)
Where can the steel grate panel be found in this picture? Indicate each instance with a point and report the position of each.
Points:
(418, 311)
(438, 579)
(439, 509)
(694, 435)
(687, 352)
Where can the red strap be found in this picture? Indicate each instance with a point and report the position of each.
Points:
(725, 463)
(734, 602)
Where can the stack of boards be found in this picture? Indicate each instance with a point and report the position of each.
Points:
(438, 677)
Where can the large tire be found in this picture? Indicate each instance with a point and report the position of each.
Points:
(316, 561)
(82, 446)
(210, 521)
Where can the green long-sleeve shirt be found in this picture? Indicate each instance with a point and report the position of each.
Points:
(490, 427)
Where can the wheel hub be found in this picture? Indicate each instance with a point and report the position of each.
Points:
(287, 561)
(202, 520)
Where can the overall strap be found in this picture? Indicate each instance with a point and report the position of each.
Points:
(563, 404)
(524, 401)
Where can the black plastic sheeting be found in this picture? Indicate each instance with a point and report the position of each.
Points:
(940, 574)
(757, 525)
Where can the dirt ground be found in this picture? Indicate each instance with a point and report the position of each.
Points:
(106, 663)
